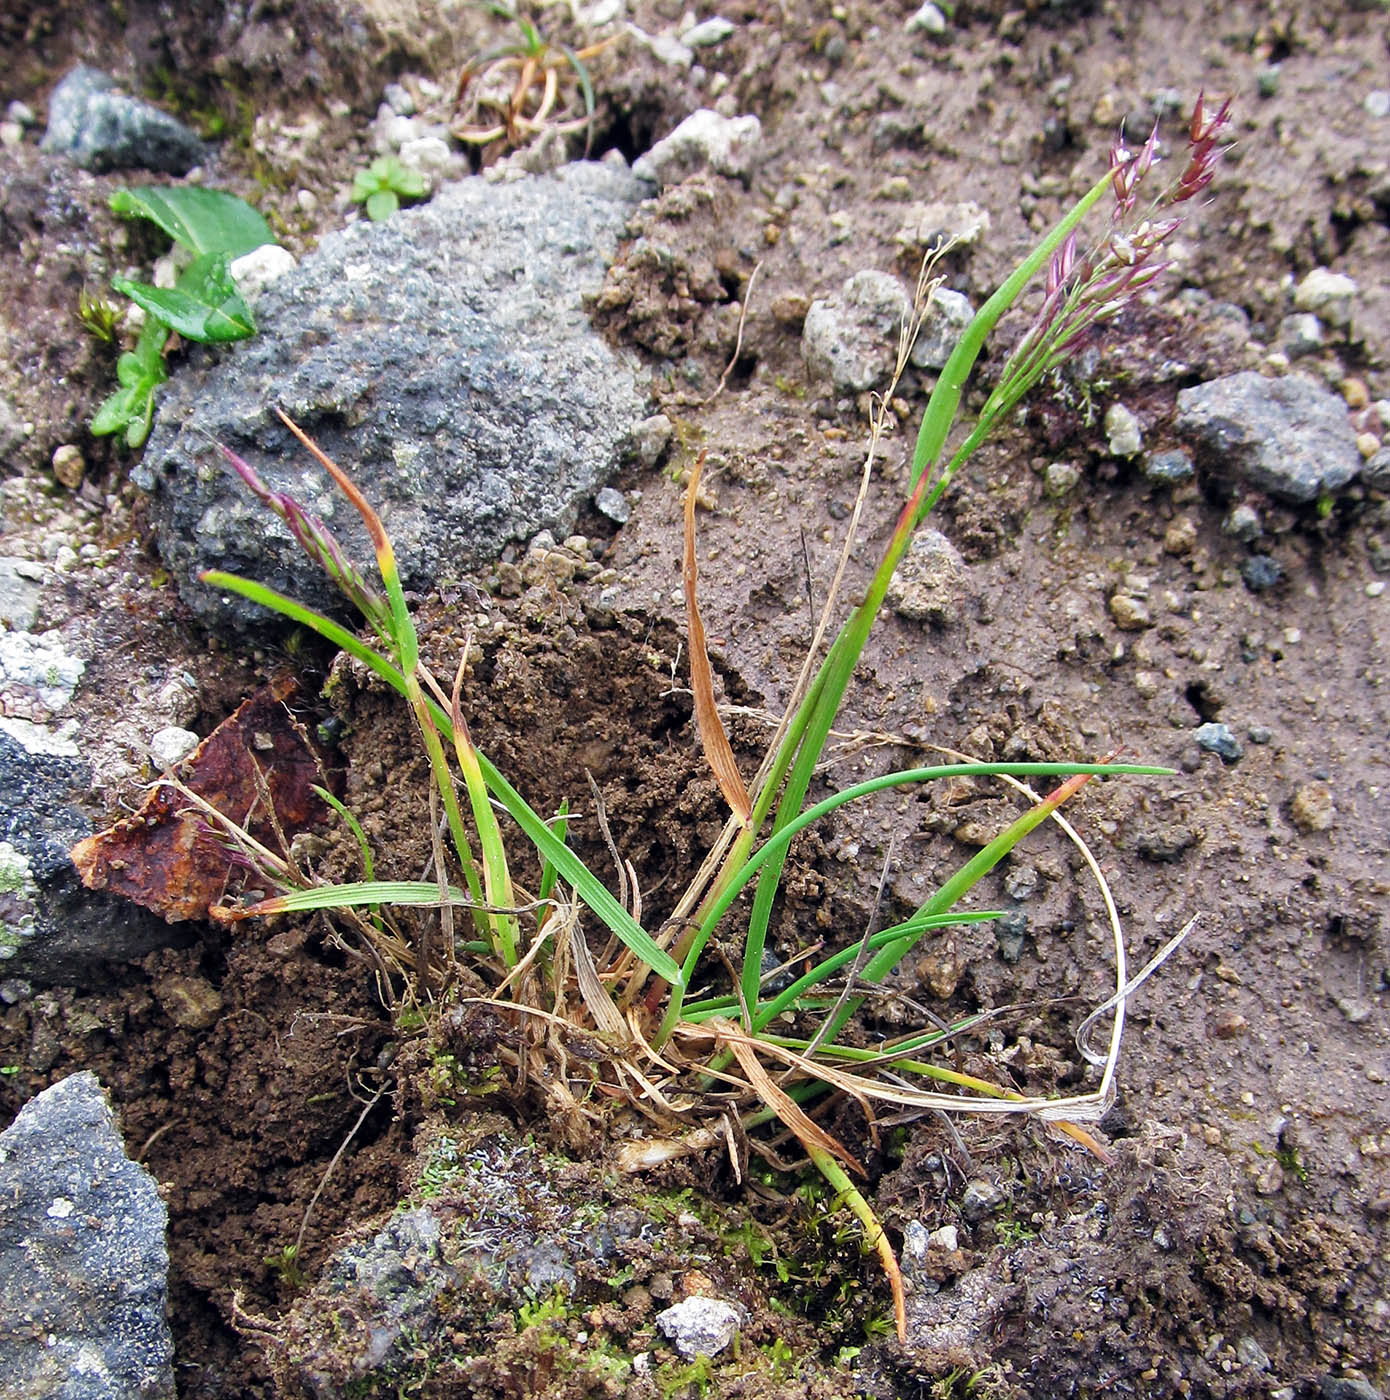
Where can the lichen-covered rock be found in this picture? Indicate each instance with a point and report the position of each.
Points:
(1286, 436)
(83, 1263)
(444, 359)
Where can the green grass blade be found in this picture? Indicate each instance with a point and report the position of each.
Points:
(420, 894)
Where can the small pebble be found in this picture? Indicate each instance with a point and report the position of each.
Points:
(708, 33)
(1375, 588)
(1259, 734)
(21, 113)
(171, 745)
(1060, 478)
(1261, 573)
(1367, 444)
(1243, 524)
(1169, 468)
(68, 466)
(980, 1198)
(1377, 104)
(1326, 294)
(1179, 537)
(1130, 614)
(1300, 334)
(1218, 739)
(927, 20)
(613, 504)
(1355, 393)
(1122, 431)
(1267, 80)
(1312, 808)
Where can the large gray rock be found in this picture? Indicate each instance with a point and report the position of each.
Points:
(53, 930)
(100, 128)
(444, 359)
(83, 1263)
(1286, 436)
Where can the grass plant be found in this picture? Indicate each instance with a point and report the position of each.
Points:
(710, 1057)
(524, 88)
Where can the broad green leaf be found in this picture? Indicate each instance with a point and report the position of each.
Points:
(204, 221)
(381, 204)
(130, 410)
(205, 305)
(116, 413)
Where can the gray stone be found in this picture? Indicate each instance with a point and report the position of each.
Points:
(1061, 478)
(1377, 104)
(708, 33)
(927, 20)
(171, 745)
(1243, 524)
(99, 128)
(1252, 1354)
(21, 582)
(83, 1263)
(929, 226)
(37, 668)
(444, 359)
(1300, 334)
(930, 582)
(1287, 436)
(1348, 1388)
(851, 337)
(1376, 472)
(253, 272)
(1261, 572)
(611, 503)
(947, 315)
(1220, 740)
(701, 1326)
(1169, 468)
(703, 141)
(1328, 295)
(52, 929)
(981, 1198)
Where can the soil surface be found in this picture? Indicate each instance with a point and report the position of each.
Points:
(1235, 1244)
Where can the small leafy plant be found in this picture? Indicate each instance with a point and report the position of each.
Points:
(699, 1041)
(382, 186)
(203, 304)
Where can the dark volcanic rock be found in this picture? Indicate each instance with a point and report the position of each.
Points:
(100, 128)
(83, 1263)
(1286, 436)
(444, 359)
(51, 928)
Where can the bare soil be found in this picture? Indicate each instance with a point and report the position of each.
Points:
(1235, 1246)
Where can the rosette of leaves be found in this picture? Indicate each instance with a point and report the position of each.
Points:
(382, 186)
(203, 304)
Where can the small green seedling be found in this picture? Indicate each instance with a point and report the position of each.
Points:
(382, 186)
(203, 305)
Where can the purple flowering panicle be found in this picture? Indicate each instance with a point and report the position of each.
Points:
(315, 539)
(1080, 293)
